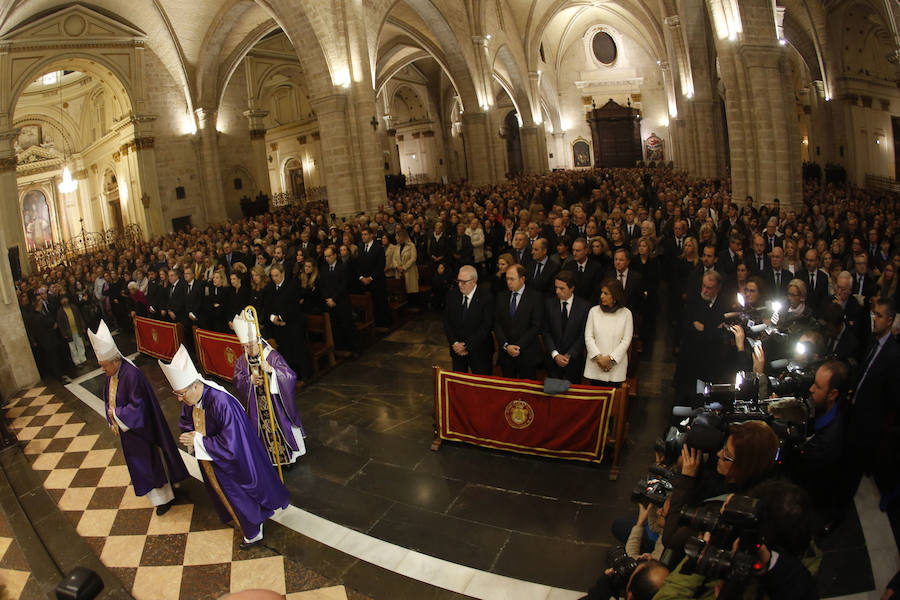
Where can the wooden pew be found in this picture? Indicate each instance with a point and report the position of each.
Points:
(364, 308)
(320, 342)
(397, 299)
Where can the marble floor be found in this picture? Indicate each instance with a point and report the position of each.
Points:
(374, 509)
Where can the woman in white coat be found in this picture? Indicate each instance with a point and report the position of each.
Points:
(405, 265)
(476, 234)
(607, 336)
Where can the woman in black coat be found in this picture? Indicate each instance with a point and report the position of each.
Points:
(238, 296)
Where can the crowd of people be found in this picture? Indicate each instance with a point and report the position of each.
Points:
(559, 275)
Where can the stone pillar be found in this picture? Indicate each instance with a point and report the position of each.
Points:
(339, 177)
(145, 161)
(479, 159)
(258, 149)
(365, 145)
(531, 155)
(17, 367)
(214, 196)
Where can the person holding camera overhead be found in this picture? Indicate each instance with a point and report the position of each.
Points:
(746, 458)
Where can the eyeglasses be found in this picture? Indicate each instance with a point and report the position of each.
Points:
(180, 395)
(726, 458)
(464, 280)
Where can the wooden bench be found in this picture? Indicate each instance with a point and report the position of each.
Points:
(396, 298)
(320, 341)
(364, 308)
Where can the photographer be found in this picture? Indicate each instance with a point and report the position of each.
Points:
(747, 457)
(816, 462)
(644, 582)
(769, 555)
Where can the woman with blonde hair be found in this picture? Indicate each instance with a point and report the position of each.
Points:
(405, 264)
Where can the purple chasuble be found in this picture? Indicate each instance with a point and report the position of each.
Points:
(239, 461)
(148, 433)
(282, 403)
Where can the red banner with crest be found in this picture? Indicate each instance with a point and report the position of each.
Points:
(516, 415)
(160, 339)
(217, 352)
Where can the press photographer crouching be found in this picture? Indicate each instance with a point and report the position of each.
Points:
(754, 546)
(746, 458)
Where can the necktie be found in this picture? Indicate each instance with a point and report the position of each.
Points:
(331, 269)
(537, 270)
(761, 263)
(581, 268)
(861, 285)
(513, 303)
(812, 281)
(465, 303)
(778, 279)
(565, 313)
(678, 241)
(622, 280)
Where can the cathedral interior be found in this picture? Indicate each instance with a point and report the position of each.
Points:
(145, 117)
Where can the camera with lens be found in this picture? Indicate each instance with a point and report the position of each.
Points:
(716, 558)
(654, 488)
(623, 567)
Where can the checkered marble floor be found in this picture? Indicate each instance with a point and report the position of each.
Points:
(15, 576)
(185, 554)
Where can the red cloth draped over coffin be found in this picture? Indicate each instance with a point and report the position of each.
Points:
(160, 339)
(217, 352)
(516, 415)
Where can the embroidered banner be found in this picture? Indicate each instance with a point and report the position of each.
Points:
(159, 339)
(515, 415)
(217, 352)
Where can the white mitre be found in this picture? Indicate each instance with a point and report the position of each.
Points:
(244, 330)
(103, 343)
(181, 371)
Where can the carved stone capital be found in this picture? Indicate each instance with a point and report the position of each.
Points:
(116, 156)
(894, 57)
(144, 143)
(672, 21)
(316, 137)
(257, 134)
(301, 139)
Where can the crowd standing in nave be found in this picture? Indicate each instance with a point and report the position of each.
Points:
(557, 274)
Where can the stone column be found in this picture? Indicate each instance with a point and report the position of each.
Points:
(340, 177)
(145, 160)
(531, 155)
(479, 159)
(17, 367)
(365, 144)
(214, 197)
(258, 149)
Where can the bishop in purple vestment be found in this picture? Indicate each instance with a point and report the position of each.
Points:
(289, 431)
(133, 414)
(236, 468)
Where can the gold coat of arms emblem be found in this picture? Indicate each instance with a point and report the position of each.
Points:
(229, 355)
(154, 335)
(519, 414)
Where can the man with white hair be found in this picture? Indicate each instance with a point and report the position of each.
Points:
(134, 416)
(236, 469)
(284, 442)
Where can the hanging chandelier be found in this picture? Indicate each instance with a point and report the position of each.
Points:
(67, 185)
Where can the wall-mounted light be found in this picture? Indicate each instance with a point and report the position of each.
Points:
(565, 125)
(488, 37)
(782, 41)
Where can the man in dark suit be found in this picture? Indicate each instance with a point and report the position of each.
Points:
(759, 261)
(334, 288)
(875, 397)
(468, 318)
(565, 317)
(776, 278)
(288, 323)
(631, 281)
(194, 301)
(773, 240)
(701, 340)
(520, 251)
(863, 284)
(731, 256)
(461, 247)
(370, 274)
(542, 270)
(854, 316)
(816, 281)
(230, 256)
(176, 301)
(438, 245)
(517, 323)
(587, 272)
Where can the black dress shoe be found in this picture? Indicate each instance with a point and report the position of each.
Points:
(247, 545)
(164, 508)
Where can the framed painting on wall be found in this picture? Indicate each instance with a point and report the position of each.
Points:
(581, 154)
(36, 220)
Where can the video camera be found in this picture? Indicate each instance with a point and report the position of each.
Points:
(706, 428)
(655, 487)
(623, 567)
(715, 559)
